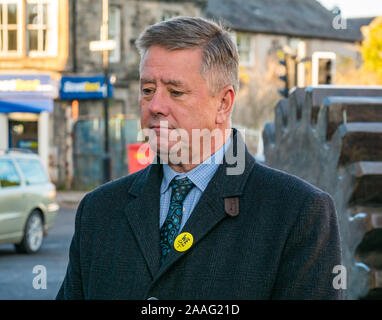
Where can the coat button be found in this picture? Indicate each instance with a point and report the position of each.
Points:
(152, 298)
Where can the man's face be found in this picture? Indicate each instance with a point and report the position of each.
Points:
(173, 90)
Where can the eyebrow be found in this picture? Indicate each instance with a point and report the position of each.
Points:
(175, 83)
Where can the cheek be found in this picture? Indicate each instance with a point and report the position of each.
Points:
(143, 111)
(207, 115)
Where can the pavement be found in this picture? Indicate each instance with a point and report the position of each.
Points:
(19, 273)
(70, 198)
(38, 276)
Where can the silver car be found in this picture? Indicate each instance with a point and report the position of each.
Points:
(27, 200)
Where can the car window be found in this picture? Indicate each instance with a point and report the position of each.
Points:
(32, 171)
(9, 176)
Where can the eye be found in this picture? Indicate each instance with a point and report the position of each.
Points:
(147, 91)
(176, 93)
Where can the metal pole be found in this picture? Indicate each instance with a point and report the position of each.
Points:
(287, 75)
(104, 36)
(74, 35)
(295, 61)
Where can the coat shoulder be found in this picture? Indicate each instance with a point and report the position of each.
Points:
(285, 189)
(115, 192)
(279, 180)
(282, 199)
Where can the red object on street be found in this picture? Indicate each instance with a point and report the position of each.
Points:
(139, 156)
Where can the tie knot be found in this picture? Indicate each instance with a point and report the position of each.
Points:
(180, 188)
(180, 182)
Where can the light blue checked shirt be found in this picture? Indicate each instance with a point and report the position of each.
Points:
(200, 176)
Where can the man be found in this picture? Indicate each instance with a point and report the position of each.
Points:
(204, 220)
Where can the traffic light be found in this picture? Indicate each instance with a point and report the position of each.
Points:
(328, 72)
(284, 78)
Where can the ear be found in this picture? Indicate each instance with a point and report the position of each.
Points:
(226, 99)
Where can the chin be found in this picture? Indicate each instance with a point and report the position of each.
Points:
(160, 147)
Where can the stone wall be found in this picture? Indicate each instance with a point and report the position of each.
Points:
(332, 137)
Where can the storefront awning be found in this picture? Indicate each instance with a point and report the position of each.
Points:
(32, 106)
(33, 93)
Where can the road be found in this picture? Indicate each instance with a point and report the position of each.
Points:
(16, 270)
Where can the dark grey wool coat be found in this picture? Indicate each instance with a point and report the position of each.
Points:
(282, 244)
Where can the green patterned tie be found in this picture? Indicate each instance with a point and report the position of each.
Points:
(171, 226)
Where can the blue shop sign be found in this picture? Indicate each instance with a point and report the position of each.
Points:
(77, 87)
(26, 93)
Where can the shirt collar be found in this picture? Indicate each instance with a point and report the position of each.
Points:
(200, 175)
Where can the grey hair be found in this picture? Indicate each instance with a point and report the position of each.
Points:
(220, 59)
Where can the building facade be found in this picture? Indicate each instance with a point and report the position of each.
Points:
(52, 87)
(33, 53)
(79, 136)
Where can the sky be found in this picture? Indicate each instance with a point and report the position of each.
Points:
(355, 8)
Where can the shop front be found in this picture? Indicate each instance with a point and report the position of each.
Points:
(85, 96)
(25, 103)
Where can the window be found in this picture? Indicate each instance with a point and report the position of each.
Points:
(32, 171)
(244, 43)
(8, 174)
(28, 26)
(10, 26)
(41, 26)
(115, 33)
(323, 67)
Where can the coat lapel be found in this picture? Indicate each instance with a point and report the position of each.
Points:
(210, 209)
(207, 213)
(143, 214)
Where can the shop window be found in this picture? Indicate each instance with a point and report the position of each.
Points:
(42, 28)
(23, 134)
(10, 27)
(115, 33)
(245, 48)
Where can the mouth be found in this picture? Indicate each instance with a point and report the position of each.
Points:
(158, 127)
(162, 130)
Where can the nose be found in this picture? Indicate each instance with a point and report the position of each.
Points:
(158, 105)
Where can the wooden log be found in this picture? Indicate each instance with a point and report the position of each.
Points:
(373, 221)
(369, 250)
(351, 109)
(368, 183)
(375, 279)
(324, 91)
(319, 93)
(360, 142)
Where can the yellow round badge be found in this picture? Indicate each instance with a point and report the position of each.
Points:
(183, 241)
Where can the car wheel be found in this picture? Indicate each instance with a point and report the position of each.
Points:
(33, 234)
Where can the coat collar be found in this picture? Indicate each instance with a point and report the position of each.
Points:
(143, 211)
(237, 150)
